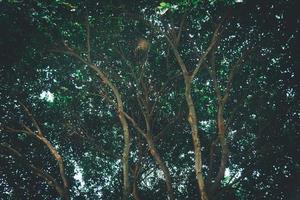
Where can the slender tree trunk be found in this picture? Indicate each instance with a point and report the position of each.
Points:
(135, 189)
(192, 118)
(161, 165)
(64, 194)
(126, 149)
(154, 152)
(107, 81)
(224, 147)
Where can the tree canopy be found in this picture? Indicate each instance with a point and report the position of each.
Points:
(149, 99)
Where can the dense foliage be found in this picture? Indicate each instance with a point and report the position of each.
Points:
(127, 100)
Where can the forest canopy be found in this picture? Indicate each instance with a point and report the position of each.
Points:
(183, 99)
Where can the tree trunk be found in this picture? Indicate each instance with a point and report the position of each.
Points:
(192, 118)
(161, 165)
(135, 189)
(126, 149)
(224, 146)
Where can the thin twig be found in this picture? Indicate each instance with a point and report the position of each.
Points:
(88, 39)
(233, 70)
(32, 119)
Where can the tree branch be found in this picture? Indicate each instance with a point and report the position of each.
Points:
(233, 70)
(47, 177)
(136, 126)
(32, 119)
(40, 136)
(88, 39)
(177, 40)
(162, 90)
(215, 38)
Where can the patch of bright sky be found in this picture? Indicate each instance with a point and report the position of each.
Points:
(227, 172)
(47, 95)
(233, 175)
(78, 176)
(149, 178)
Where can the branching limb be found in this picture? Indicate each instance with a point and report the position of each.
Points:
(38, 134)
(39, 131)
(203, 57)
(120, 108)
(44, 175)
(136, 126)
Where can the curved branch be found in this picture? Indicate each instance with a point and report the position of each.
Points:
(120, 107)
(40, 136)
(44, 175)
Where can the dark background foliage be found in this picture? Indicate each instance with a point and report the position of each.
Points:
(67, 100)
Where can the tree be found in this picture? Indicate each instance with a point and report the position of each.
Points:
(189, 115)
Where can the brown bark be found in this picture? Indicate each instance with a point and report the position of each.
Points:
(147, 111)
(222, 99)
(154, 152)
(161, 165)
(136, 171)
(192, 118)
(120, 109)
(224, 147)
(220, 126)
(135, 190)
(126, 149)
(38, 134)
(61, 190)
(58, 158)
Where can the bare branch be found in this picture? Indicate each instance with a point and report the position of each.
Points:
(29, 132)
(233, 70)
(136, 126)
(32, 119)
(162, 90)
(58, 158)
(215, 38)
(183, 19)
(40, 136)
(88, 39)
(47, 177)
(178, 58)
